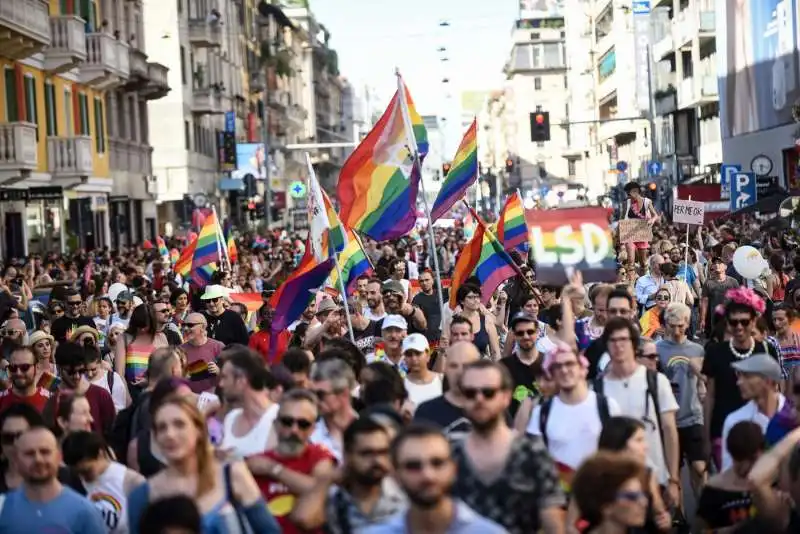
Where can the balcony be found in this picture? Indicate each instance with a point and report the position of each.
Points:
(68, 46)
(709, 153)
(684, 28)
(663, 47)
(70, 157)
(278, 99)
(18, 150)
(158, 85)
(606, 87)
(130, 156)
(610, 130)
(24, 28)
(205, 34)
(666, 102)
(206, 101)
(697, 91)
(296, 116)
(107, 64)
(707, 25)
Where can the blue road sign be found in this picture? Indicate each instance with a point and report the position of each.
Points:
(622, 166)
(726, 177)
(230, 122)
(654, 168)
(744, 189)
(641, 7)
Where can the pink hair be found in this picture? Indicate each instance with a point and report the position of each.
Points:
(561, 348)
(746, 297)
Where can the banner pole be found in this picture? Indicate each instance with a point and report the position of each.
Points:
(344, 299)
(686, 253)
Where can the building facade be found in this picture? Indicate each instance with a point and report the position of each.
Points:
(63, 62)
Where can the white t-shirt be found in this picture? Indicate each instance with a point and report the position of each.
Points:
(419, 393)
(748, 412)
(369, 314)
(632, 397)
(572, 429)
(255, 441)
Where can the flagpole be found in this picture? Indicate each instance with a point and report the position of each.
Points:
(344, 298)
(417, 167)
(361, 244)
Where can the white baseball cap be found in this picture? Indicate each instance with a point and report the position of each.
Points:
(394, 321)
(416, 342)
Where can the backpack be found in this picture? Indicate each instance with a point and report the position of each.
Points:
(110, 378)
(547, 404)
(651, 393)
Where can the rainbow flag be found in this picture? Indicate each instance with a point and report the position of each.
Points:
(183, 265)
(251, 301)
(174, 256)
(484, 258)
(198, 370)
(207, 250)
(512, 231)
(378, 183)
(565, 476)
(294, 294)
(353, 262)
(336, 236)
(463, 173)
(162, 246)
(233, 253)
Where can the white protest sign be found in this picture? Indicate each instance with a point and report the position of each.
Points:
(688, 212)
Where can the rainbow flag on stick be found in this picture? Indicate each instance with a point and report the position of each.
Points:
(511, 228)
(208, 251)
(353, 262)
(251, 301)
(230, 242)
(463, 173)
(484, 258)
(162, 247)
(326, 232)
(183, 265)
(378, 183)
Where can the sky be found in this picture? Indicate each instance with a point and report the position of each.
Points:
(372, 37)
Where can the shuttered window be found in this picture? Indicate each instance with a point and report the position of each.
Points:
(31, 111)
(50, 109)
(83, 114)
(99, 126)
(69, 113)
(12, 105)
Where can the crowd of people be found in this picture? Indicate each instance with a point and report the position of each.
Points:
(134, 403)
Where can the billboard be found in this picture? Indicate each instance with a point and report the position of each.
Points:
(250, 160)
(757, 42)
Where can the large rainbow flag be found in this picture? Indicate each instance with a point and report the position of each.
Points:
(484, 258)
(183, 265)
(378, 183)
(353, 262)
(511, 228)
(207, 251)
(463, 173)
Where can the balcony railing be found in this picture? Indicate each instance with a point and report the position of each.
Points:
(138, 62)
(68, 47)
(18, 149)
(24, 27)
(70, 156)
(158, 84)
(206, 101)
(205, 34)
(130, 156)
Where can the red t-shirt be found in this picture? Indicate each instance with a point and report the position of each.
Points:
(38, 400)
(102, 408)
(279, 501)
(259, 342)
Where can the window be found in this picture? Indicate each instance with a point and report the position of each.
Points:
(50, 109)
(83, 114)
(183, 65)
(552, 55)
(571, 167)
(12, 105)
(69, 113)
(535, 36)
(537, 83)
(522, 57)
(99, 125)
(31, 114)
(187, 134)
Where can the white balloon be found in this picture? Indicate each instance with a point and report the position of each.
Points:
(748, 262)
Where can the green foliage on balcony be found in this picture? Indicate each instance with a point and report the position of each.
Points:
(280, 60)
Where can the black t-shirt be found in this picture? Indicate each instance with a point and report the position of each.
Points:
(365, 339)
(443, 413)
(228, 328)
(429, 304)
(720, 508)
(62, 327)
(593, 353)
(717, 366)
(524, 377)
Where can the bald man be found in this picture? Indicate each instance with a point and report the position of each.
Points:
(42, 503)
(201, 353)
(15, 334)
(447, 410)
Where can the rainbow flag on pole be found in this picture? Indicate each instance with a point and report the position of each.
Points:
(512, 231)
(163, 251)
(378, 183)
(230, 243)
(484, 258)
(183, 265)
(463, 173)
(353, 262)
(337, 237)
(208, 251)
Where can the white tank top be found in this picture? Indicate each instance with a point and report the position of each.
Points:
(255, 441)
(107, 493)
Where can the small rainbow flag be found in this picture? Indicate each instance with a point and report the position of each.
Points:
(162, 246)
(207, 251)
(463, 173)
(174, 256)
(233, 252)
(251, 301)
(378, 183)
(198, 370)
(337, 237)
(485, 258)
(353, 262)
(49, 381)
(512, 231)
(565, 476)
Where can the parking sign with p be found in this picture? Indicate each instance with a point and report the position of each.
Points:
(743, 190)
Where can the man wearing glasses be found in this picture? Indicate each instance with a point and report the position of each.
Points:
(525, 363)
(63, 327)
(22, 372)
(72, 360)
(201, 353)
(226, 326)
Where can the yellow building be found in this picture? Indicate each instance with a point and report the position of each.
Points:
(62, 64)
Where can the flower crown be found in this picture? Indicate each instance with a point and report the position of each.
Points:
(746, 297)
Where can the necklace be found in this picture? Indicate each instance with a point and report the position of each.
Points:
(740, 355)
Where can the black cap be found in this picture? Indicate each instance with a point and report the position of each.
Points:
(522, 317)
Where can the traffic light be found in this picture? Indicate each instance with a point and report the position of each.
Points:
(509, 165)
(652, 191)
(540, 126)
(445, 169)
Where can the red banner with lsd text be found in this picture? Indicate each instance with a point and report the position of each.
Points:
(578, 238)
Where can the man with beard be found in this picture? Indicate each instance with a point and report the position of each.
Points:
(394, 299)
(525, 364)
(374, 310)
(366, 495)
(72, 360)
(295, 466)
(507, 477)
(424, 468)
(62, 328)
(427, 300)
(22, 371)
(42, 503)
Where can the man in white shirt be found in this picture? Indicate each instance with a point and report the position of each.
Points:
(574, 418)
(626, 381)
(758, 378)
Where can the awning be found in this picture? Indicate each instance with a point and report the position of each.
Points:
(231, 184)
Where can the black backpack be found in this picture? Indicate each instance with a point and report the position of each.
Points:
(547, 404)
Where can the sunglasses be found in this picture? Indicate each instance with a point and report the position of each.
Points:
(190, 325)
(520, 333)
(662, 298)
(739, 322)
(214, 300)
(419, 465)
(289, 422)
(21, 368)
(76, 371)
(649, 355)
(9, 438)
(74, 302)
(486, 393)
(57, 311)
